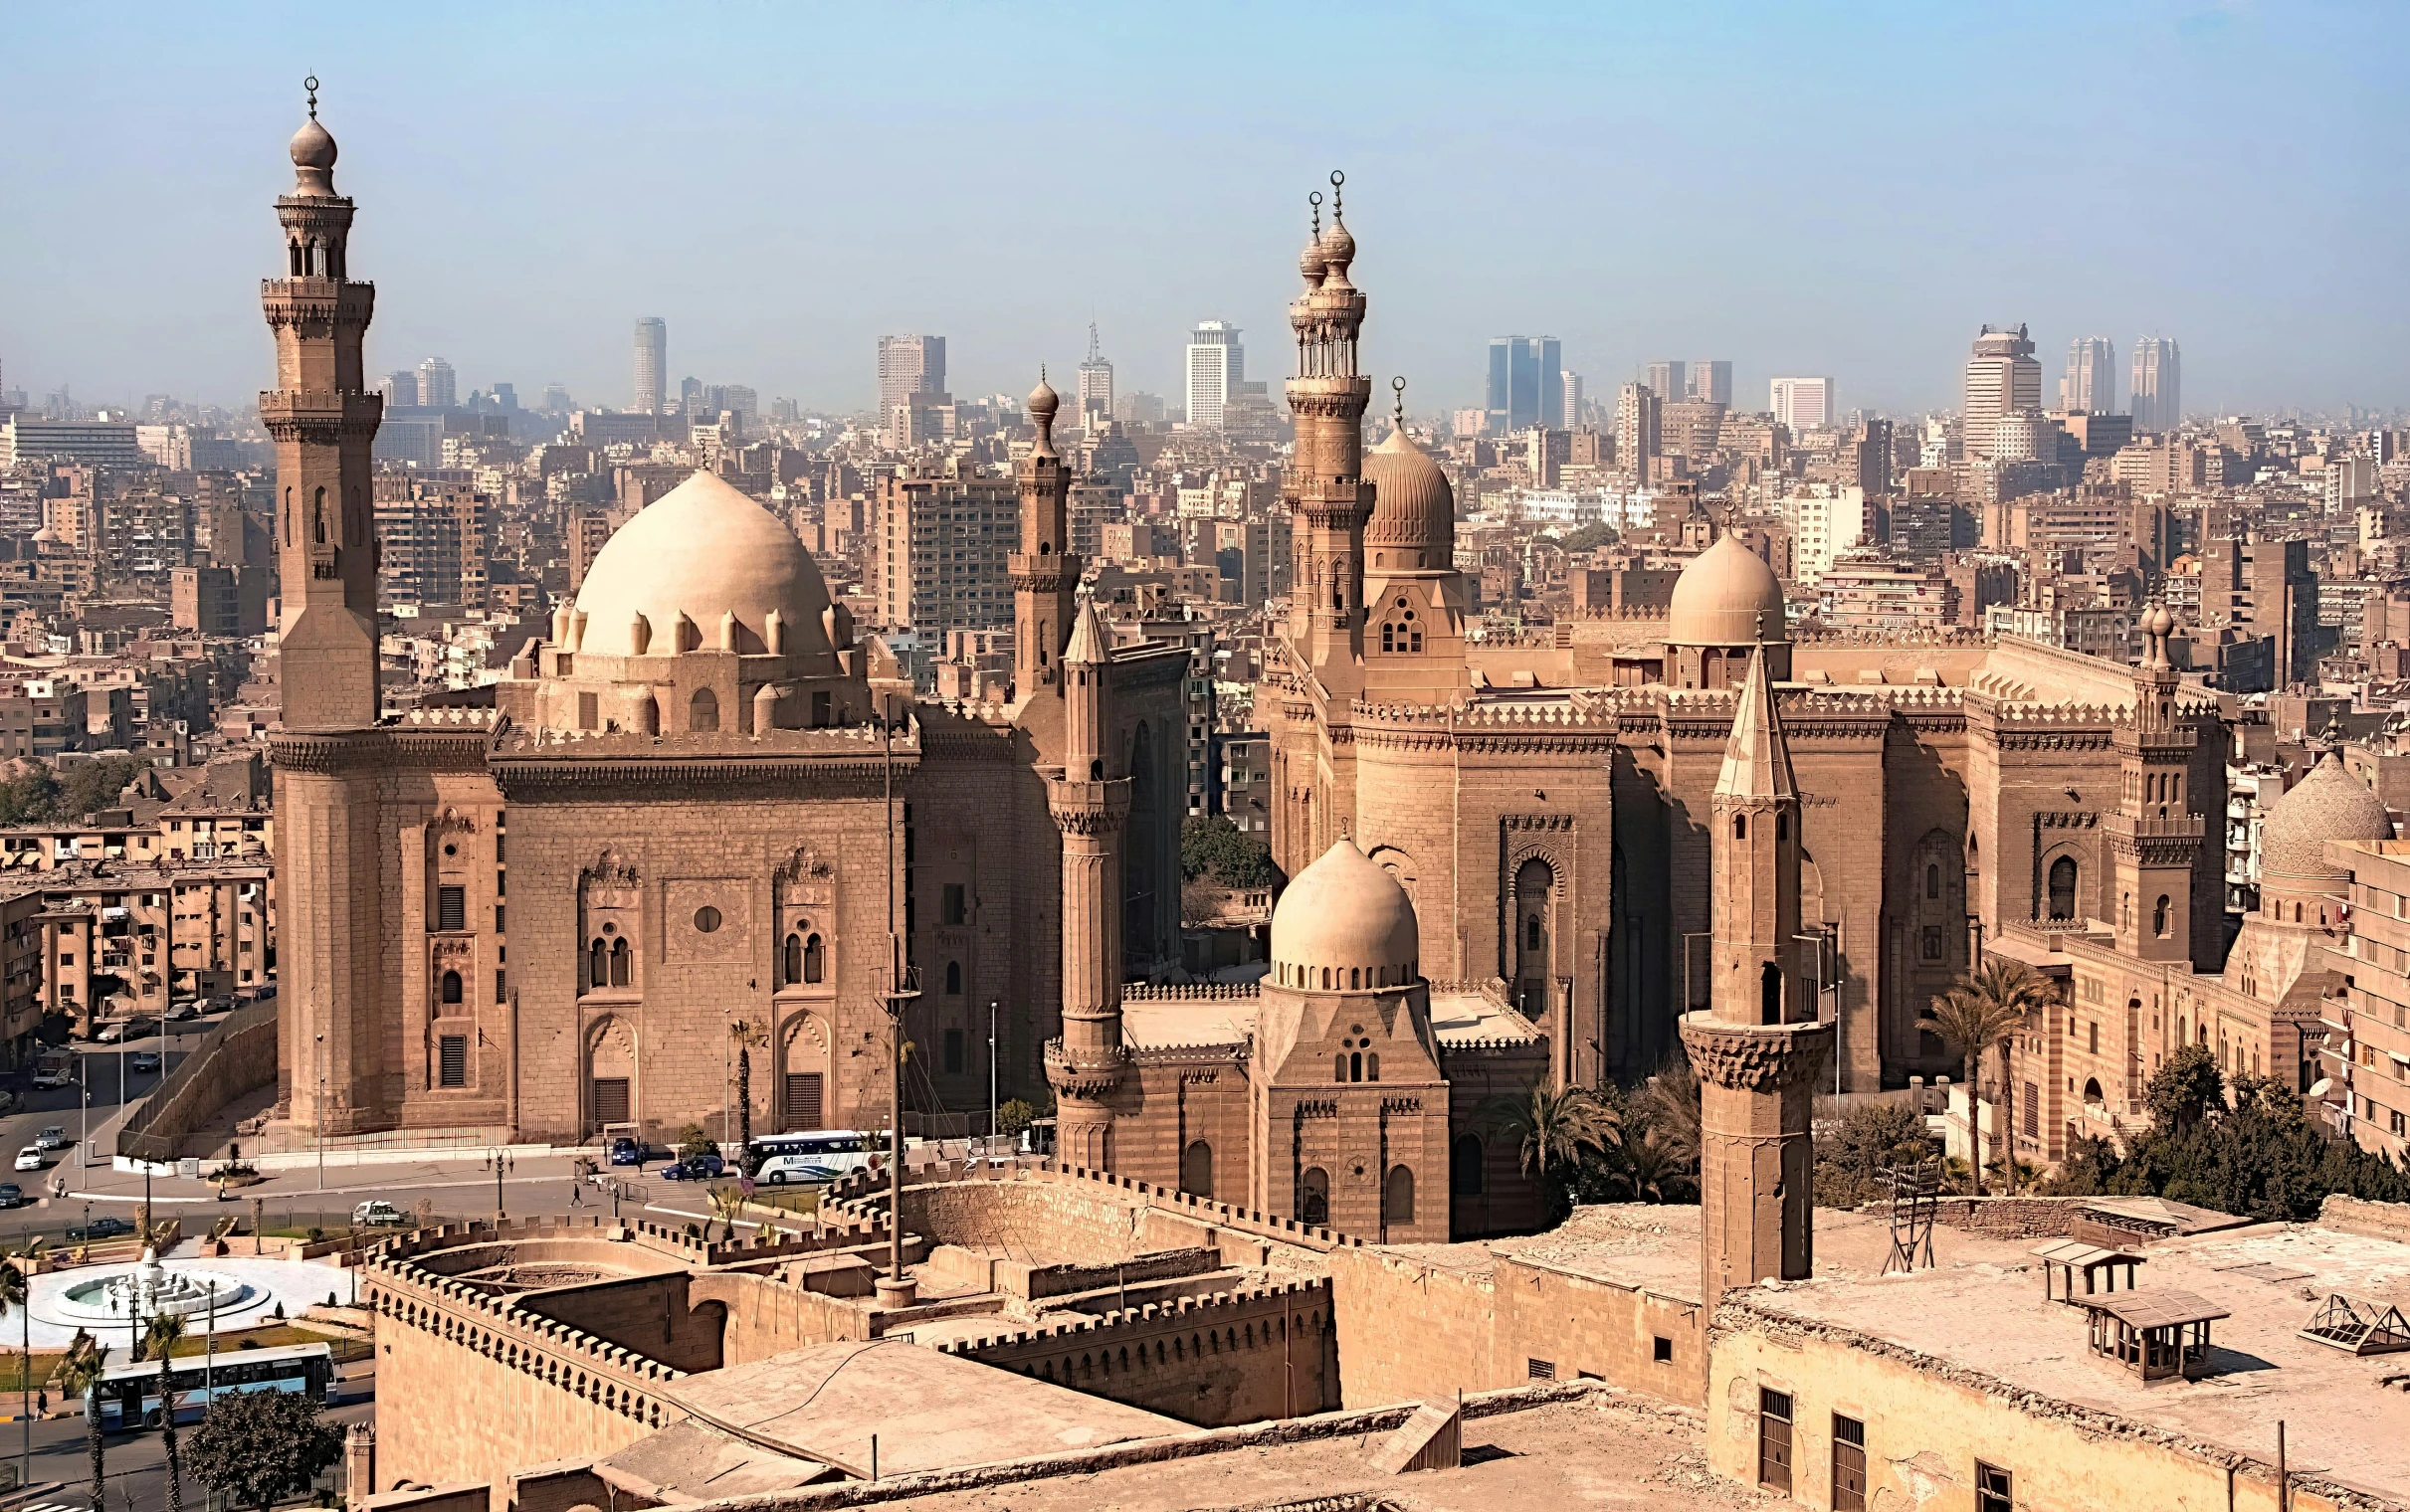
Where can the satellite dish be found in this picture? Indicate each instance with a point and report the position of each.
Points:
(2320, 1087)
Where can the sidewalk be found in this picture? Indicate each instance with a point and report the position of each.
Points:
(99, 1183)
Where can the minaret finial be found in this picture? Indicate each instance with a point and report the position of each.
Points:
(312, 85)
(1337, 180)
(1315, 200)
(1398, 385)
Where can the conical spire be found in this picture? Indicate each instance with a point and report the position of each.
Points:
(1088, 643)
(1757, 759)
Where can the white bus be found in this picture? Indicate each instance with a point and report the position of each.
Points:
(815, 1156)
(130, 1394)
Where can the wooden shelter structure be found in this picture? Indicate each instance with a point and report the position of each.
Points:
(2158, 1335)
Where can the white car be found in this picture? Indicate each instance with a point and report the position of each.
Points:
(378, 1215)
(52, 1138)
(29, 1158)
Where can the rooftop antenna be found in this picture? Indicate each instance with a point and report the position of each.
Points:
(312, 85)
(1092, 353)
(1916, 1193)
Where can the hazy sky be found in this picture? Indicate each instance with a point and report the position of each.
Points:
(1848, 189)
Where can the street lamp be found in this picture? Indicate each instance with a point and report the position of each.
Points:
(318, 1110)
(991, 1075)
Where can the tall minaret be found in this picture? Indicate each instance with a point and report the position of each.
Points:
(1088, 801)
(2155, 837)
(1757, 1047)
(1326, 494)
(1044, 572)
(323, 418)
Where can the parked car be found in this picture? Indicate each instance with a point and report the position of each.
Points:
(706, 1167)
(45, 1081)
(627, 1150)
(29, 1158)
(184, 1013)
(144, 1060)
(11, 1195)
(102, 1228)
(371, 1215)
(51, 1138)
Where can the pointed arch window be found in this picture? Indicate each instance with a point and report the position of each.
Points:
(815, 960)
(790, 965)
(2063, 887)
(2159, 917)
(622, 959)
(451, 988)
(702, 712)
(954, 979)
(598, 963)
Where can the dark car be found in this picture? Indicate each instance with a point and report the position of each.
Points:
(11, 1195)
(694, 1168)
(102, 1228)
(627, 1151)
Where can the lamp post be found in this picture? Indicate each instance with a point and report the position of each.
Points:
(318, 1110)
(725, 1034)
(991, 1075)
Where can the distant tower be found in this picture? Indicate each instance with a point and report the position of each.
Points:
(1217, 365)
(1096, 383)
(438, 388)
(908, 365)
(1044, 572)
(1326, 495)
(2158, 384)
(2002, 379)
(1088, 801)
(651, 364)
(2153, 836)
(2090, 384)
(1757, 1047)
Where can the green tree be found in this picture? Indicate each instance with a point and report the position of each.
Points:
(1588, 538)
(2184, 1088)
(1856, 1152)
(160, 1336)
(1982, 1012)
(1213, 844)
(693, 1141)
(1013, 1115)
(255, 1448)
(79, 1375)
(1550, 1130)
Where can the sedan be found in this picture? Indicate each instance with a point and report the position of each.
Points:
(102, 1228)
(51, 1138)
(29, 1158)
(694, 1168)
(11, 1195)
(143, 1061)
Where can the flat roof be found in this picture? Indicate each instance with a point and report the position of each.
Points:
(2155, 1309)
(1177, 1022)
(1460, 1016)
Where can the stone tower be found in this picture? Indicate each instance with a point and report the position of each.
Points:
(1327, 493)
(322, 419)
(1088, 801)
(2153, 836)
(1044, 571)
(1757, 1047)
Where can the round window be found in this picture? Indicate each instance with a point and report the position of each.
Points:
(707, 918)
(610, 929)
(452, 849)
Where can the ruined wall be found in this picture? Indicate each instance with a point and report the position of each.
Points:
(652, 1315)
(764, 1317)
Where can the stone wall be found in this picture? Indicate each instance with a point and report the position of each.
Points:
(2376, 1221)
(652, 1315)
(239, 1058)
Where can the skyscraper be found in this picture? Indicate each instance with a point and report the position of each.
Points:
(435, 387)
(2090, 384)
(400, 389)
(1095, 382)
(1638, 417)
(1217, 365)
(2158, 389)
(910, 365)
(651, 364)
(1711, 380)
(1526, 382)
(2002, 378)
(1802, 404)
(1666, 379)
(1574, 399)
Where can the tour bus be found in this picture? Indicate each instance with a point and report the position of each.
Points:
(307, 1369)
(814, 1156)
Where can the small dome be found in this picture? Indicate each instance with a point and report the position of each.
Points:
(2327, 805)
(1412, 502)
(1339, 248)
(1309, 262)
(702, 552)
(1043, 403)
(313, 146)
(1343, 911)
(1722, 597)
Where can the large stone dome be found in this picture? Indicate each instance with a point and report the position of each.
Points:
(1413, 504)
(706, 551)
(2327, 805)
(1343, 913)
(1727, 596)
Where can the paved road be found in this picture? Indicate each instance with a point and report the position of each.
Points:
(135, 1464)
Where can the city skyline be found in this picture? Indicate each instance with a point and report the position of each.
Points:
(1870, 296)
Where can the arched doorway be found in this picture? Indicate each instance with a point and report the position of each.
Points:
(1313, 1198)
(1197, 1168)
(1534, 904)
(803, 1061)
(610, 1074)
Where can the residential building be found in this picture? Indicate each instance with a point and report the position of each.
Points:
(1639, 419)
(908, 365)
(1802, 404)
(1826, 521)
(938, 558)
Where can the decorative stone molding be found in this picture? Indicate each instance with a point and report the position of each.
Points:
(1756, 1057)
(609, 871)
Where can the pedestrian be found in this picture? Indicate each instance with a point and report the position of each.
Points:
(577, 1193)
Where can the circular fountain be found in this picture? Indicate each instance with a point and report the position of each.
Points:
(149, 1289)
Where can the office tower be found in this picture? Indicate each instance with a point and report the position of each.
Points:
(651, 364)
(400, 389)
(1711, 381)
(556, 399)
(1802, 404)
(436, 389)
(2157, 384)
(1095, 382)
(2090, 384)
(2002, 378)
(1666, 379)
(1637, 422)
(910, 365)
(1217, 365)
(1526, 382)
(1571, 420)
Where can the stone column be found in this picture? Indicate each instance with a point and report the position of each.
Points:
(1756, 1159)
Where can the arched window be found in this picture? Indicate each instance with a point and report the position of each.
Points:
(1397, 1196)
(451, 987)
(2092, 1091)
(1465, 1159)
(1095, 770)
(598, 964)
(1741, 826)
(1932, 881)
(703, 711)
(1338, 1066)
(790, 968)
(1197, 1168)
(954, 979)
(1769, 994)
(815, 960)
(2063, 887)
(317, 517)
(2159, 917)
(1373, 1066)
(621, 958)
(1532, 932)
(1355, 1066)
(1314, 1196)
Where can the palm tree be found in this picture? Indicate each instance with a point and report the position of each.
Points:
(727, 1202)
(15, 1279)
(1649, 1168)
(1982, 1012)
(1552, 1127)
(79, 1375)
(160, 1337)
(748, 1035)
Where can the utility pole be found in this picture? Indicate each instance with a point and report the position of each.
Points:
(901, 990)
(317, 1112)
(991, 1008)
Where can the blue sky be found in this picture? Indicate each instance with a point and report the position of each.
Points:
(1844, 189)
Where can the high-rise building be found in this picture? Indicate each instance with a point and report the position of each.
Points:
(1574, 399)
(651, 364)
(1095, 382)
(1526, 383)
(556, 399)
(1711, 381)
(1637, 420)
(910, 365)
(939, 552)
(2090, 384)
(2002, 378)
(1217, 365)
(400, 389)
(436, 389)
(1666, 379)
(2159, 392)
(1802, 404)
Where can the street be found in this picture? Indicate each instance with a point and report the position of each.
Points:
(135, 1464)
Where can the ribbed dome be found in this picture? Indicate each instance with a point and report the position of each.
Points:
(2327, 805)
(1719, 600)
(1412, 502)
(705, 551)
(1345, 912)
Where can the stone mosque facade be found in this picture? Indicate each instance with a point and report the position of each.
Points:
(536, 916)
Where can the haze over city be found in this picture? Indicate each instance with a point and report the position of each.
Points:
(1807, 191)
